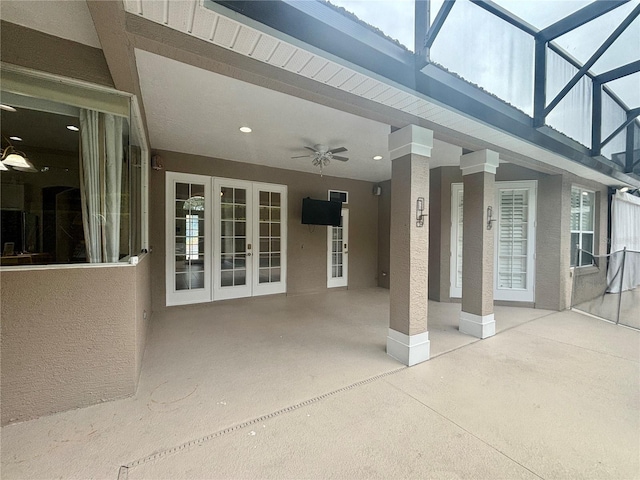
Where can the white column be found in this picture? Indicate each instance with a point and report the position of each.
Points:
(408, 339)
(478, 171)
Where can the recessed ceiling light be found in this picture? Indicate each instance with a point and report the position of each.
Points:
(585, 193)
(624, 189)
(378, 157)
(245, 129)
(73, 128)
(7, 108)
(15, 139)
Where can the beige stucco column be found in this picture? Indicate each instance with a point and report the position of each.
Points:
(409, 150)
(478, 173)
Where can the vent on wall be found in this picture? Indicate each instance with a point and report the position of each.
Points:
(339, 196)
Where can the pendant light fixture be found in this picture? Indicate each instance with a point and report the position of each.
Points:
(17, 160)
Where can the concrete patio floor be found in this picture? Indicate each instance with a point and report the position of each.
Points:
(301, 387)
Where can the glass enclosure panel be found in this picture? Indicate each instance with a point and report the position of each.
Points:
(613, 115)
(435, 6)
(395, 18)
(582, 42)
(489, 52)
(542, 15)
(572, 116)
(627, 89)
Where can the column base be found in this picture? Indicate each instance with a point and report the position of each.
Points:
(477, 325)
(408, 349)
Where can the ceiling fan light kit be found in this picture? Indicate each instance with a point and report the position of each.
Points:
(322, 156)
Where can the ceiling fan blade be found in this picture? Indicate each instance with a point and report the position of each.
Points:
(310, 148)
(302, 156)
(338, 150)
(337, 157)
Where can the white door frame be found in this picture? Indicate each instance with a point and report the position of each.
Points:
(512, 294)
(272, 287)
(342, 281)
(200, 295)
(212, 240)
(528, 295)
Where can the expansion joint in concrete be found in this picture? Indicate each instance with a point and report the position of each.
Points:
(123, 472)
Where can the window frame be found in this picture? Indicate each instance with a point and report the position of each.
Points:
(581, 231)
(48, 87)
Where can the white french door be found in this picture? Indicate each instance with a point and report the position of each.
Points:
(338, 252)
(250, 236)
(514, 256)
(188, 243)
(233, 238)
(226, 238)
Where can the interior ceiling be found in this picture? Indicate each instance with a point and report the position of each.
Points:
(39, 130)
(199, 112)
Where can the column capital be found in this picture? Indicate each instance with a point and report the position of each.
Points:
(480, 161)
(411, 139)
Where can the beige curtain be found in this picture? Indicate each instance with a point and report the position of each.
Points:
(101, 184)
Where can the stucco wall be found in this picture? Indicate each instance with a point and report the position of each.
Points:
(67, 340)
(307, 245)
(384, 238)
(143, 308)
(47, 53)
(553, 272)
(435, 221)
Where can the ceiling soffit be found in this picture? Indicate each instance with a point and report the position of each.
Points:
(239, 34)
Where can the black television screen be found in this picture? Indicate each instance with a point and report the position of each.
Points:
(321, 212)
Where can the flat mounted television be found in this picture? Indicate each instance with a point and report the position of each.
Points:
(321, 212)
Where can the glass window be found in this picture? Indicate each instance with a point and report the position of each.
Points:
(71, 184)
(582, 226)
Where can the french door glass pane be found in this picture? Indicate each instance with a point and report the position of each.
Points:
(270, 239)
(189, 235)
(233, 240)
(336, 252)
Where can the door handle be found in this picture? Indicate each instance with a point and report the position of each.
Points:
(248, 254)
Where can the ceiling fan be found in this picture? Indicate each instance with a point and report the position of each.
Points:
(321, 155)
